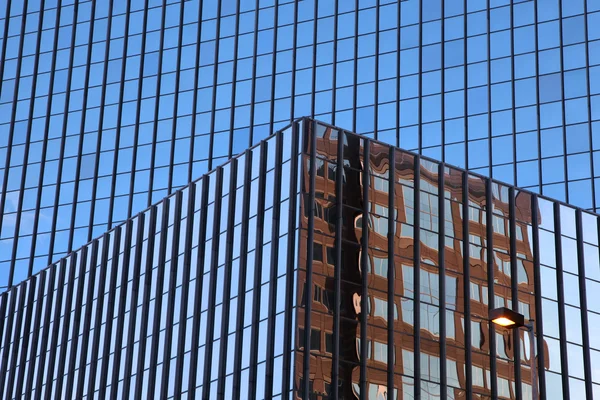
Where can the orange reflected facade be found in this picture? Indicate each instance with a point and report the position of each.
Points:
(424, 321)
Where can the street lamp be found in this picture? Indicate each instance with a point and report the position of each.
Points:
(509, 319)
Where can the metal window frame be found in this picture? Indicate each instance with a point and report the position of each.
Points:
(258, 260)
(310, 144)
(89, 303)
(198, 287)
(289, 317)
(77, 316)
(466, 282)
(561, 302)
(172, 280)
(100, 116)
(122, 82)
(26, 294)
(135, 288)
(120, 299)
(40, 303)
(539, 326)
(145, 302)
(270, 355)
(138, 113)
(214, 85)
(491, 268)
(158, 297)
(239, 328)
(157, 96)
(185, 289)
(212, 288)
(227, 277)
(585, 325)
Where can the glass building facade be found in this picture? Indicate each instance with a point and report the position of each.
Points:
(319, 264)
(106, 107)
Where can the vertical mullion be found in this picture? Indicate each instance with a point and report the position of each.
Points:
(309, 133)
(80, 146)
(258, 260)
(443, 136)
(364, 264)
(27, 139)
(77, 319)
(442, 275)
(420, 100)
(172, 279)
(46, 134)
(93, 367)
(253, 86)
(11, 135)
(89, 304)
(4, 42)
(466, 86)
(5, 350)
(334, 96)
(514, 288)
(122, 297)
(214, 85)
(562, 89)
(139, 108)
(63, 135)
(157, 97)
(28, 381)
(119, 117)
(110, 308)
(294, 54)
(417, 276)
(539, 325)
(195, 94)
(513, 95)
(232, 126)
(489, 233)
(39, 380)
(158, 297)
(314, 60)
(589, 107)
(355, 67)
(274, 263)
(587, 367)
(212, 288)
(198, 288)
(227, 277)
(376, 88)
(291, 259)
(133, 305)
(239, 328)
(489, 105)
(398, 24)
(539, 135)
(185, 289)
(337, 278)
(66, 324)
(16, 348)
(466, 282)
(100, 116)
(273, 66)
(391, 299)
(176, 97)
(56, 322)
(561, 302)
(3, 314)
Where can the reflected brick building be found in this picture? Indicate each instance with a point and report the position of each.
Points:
(318, 264)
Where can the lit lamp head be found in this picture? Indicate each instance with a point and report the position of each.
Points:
(507, 318)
